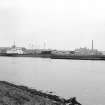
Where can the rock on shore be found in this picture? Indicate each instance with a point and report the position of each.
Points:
(11, 94)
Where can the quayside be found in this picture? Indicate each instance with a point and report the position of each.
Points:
(52, 56)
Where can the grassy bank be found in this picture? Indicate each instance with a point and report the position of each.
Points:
(11, 94)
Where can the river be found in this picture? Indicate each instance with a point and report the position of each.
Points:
(80, 78)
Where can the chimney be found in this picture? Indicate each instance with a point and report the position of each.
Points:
(92, 45)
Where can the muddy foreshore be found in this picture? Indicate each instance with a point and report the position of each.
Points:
(11, 94)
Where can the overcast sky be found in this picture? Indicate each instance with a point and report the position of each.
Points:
(62, 24)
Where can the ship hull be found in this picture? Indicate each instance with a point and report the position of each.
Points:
(26, 55)
(79, 57)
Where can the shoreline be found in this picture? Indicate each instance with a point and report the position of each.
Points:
(11, 94)
(53, 56)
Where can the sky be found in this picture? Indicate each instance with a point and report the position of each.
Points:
(60, 24)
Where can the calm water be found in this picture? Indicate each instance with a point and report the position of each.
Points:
(67, 78)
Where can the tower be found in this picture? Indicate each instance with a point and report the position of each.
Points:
(92, 45)
(44, 45)
(14, 46)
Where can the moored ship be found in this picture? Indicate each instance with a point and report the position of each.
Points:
(79, 57)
